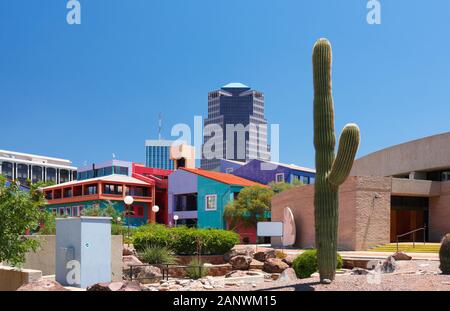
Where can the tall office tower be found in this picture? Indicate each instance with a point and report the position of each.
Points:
(235, 128)
(157, 154)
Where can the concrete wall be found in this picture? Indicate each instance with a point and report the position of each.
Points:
(44, 258)
(439, 214)
(12, 278)
(364, 215)
(428, 153)
(414, 187)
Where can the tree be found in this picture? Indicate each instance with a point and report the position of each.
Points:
(20, 212)
(108, 211)
(250, 207)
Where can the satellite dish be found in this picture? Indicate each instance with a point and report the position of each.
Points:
(289, 231)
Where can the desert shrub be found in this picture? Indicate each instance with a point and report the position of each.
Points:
(158, 255)
(306, 263)
(185, 241)
(196, 270)
(444, 254)
(280, 255)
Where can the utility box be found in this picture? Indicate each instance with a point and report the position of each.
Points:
(83, 251)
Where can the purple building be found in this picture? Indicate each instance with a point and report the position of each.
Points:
(265, 172)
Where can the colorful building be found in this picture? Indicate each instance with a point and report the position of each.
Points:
(155, 176)
(69, 199)
(265, 172)
(198, 197)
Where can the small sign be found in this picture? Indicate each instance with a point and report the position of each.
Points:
(269, 229)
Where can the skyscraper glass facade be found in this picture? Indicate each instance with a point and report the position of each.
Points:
(239, 112)
(157, 154)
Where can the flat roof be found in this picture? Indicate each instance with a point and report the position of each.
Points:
(112, 178)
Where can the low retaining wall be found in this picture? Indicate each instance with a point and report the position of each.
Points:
(12, 278)
(44, 258)
(213, 270)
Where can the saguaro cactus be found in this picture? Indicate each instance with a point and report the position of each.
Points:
(331, 170)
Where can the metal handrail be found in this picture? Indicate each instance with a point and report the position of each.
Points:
(413, 232)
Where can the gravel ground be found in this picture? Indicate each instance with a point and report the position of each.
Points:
(415, 275)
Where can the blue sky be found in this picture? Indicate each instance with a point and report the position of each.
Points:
(85, 91)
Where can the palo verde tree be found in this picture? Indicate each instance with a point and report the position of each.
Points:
(331, 170)
(20, 212)
(251, 206)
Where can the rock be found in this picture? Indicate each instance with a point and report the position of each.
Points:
(315, 274)
(115, 287)
(401, 256)
(246, 251)
(275, 276)
(208, 287)
(325, 281)
(255, 264)
(127, 262)
(288, 260)
(42, 285)
(254, 285)
(183, 282)
(128, 251)
(149, 274)
(241, 262)
(264, 255)
(288, 275)
(274, 265)
(235, 273)
(388, 266)
(133, 286)
(175, 287)
(359, 271)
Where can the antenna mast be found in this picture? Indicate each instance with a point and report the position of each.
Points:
(159, 126)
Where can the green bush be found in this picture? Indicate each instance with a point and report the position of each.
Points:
(306, 263)
(158, 255)
(185, 241)
(196, 270)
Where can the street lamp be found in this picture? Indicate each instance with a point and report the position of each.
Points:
(155, 209)
(128, 200)
(175, 217)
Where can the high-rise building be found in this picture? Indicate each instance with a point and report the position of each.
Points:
(238, 111)
(157, 154)
(25, 168)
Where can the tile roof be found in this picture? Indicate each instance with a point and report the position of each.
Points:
(223, 178)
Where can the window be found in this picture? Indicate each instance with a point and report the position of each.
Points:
(22, 173)
(63, 176)
(445, 176)
(48, 195)
(36, 174)
(139, 211)
(112, 189)
(51, 174)
(211, 202)
(90, 189)
(279, 177)
(54, 211)
(7, 170)
(67, 192)
(61, 211)
(68, 211)
(229, 170)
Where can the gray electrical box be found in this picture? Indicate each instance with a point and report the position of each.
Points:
(83, 251)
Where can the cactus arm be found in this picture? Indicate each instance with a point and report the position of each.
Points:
(348, 145)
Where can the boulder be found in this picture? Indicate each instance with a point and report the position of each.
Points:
(255, 264)
(359, 271)
(401, 256)
(149, 274)
(128, 251)
(388, 266)
(127, 262)
(274, 265)
(288, 275)
(241, 262)
(42, 285)
(288, 260)
(115, 287)
(246, 251)
(264, 255)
